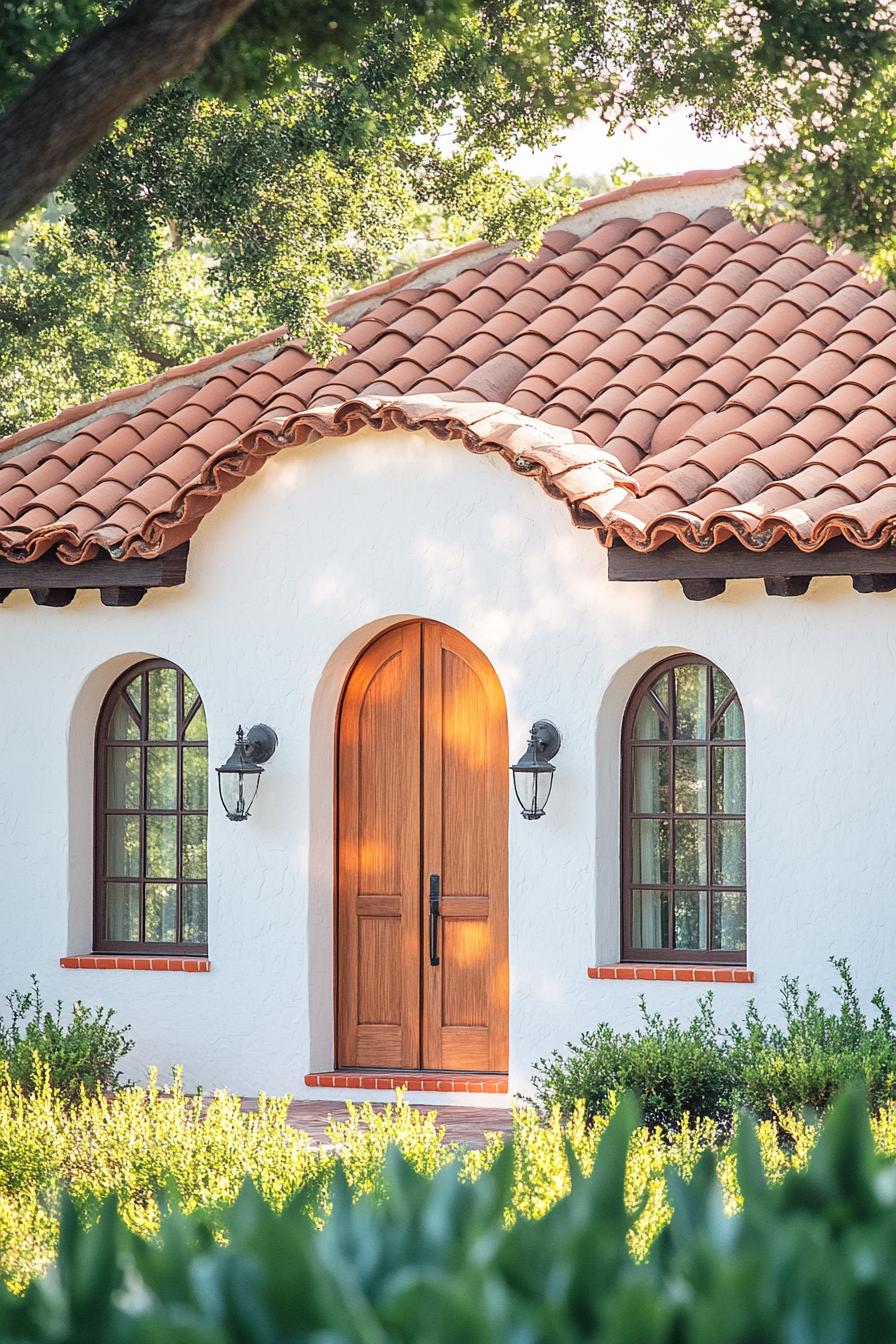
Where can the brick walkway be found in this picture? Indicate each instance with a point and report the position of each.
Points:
(463, 1124)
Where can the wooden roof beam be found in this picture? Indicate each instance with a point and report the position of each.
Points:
(785, 569)
(121, 583)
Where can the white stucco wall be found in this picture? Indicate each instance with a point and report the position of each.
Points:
(287, 580)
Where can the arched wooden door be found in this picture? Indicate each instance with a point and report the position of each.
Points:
(422, 790)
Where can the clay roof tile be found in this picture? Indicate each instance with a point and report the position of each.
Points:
(667, 377)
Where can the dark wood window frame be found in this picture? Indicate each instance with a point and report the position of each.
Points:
(672, 955)
(101, 811)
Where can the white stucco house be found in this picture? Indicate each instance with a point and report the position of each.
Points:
(641, 487)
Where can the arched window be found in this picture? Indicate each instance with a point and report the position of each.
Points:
(151, 768)
(683, 809)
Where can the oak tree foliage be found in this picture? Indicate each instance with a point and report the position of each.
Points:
(313, 144)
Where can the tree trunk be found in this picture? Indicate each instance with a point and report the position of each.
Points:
(74, 102)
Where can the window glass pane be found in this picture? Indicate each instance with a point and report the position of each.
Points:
(161, 912)
(195, 766)
(660, 689)
(650, 781)
(690, 700)
(161, 846)
(651, 720)
(195, 913)
(162, 704)
(690, 920)
(690, 779)
(690, 852)
(728, 783)
(193, 859)
(650, 851)
(650, 919)
(122, 846)
(189, 696)
(161, 777)
(123, 912)
(729, 921)
(721, 687)
(124, 725)
(135, 690)
(728, 854)
(731, 724)
(648, 723)
(196, 730)
(123, 777)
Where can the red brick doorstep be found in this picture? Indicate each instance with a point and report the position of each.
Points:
(414, 1081)
(707, 975)
(116, 963)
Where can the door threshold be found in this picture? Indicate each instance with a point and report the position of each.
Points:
(415, 1080)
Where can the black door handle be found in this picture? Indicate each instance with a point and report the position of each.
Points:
(435, 884)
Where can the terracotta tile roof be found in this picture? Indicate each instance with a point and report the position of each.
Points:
(658, 367)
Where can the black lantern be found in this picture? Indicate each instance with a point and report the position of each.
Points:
(240, 775)
(533, 773)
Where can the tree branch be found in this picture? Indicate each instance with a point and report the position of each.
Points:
(153, 356)
(74, 102)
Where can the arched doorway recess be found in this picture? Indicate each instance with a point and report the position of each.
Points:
(421, 861)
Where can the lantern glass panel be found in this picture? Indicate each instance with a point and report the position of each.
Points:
(230, 791)
(533, 788)
(524, 784)
(238, 790)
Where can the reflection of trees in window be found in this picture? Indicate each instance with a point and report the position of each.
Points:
(684, 842)
(152, 804)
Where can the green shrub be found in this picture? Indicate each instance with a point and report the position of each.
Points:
(674, 1070)
(810, 1056)
(811, 1258)
(81, 1052)
(702, 1069)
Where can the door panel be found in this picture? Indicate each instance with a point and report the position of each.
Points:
(465, 840)
(378, 917)
(422, 789)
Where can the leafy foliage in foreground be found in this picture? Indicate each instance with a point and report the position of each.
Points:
(811, 1258)
(704, 1069)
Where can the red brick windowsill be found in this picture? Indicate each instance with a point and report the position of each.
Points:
(414, 1081)
(117, 963)
(706, 975)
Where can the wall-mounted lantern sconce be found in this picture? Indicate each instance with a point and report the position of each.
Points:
(240, 775)
(533, 773)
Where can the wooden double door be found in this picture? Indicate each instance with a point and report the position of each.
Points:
(422, 794)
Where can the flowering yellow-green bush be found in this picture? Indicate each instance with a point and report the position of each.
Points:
(150, 1148)
(811, 1256)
